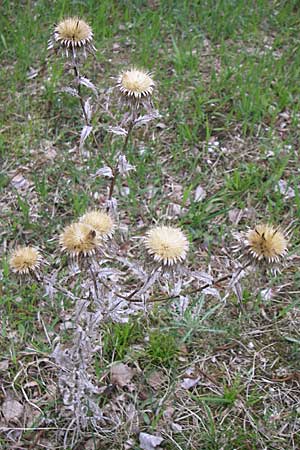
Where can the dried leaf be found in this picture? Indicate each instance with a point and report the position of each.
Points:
(161, 125)
(121, 374)
(202, 276)
(285, 189)
(176, 427)
(149, 442)
(267, 294)
(112, 205)
(86, 130)
(123, 165)
(190, 380)
(238, 290)
(142, 120)
(20, 183)
(155, 380)
(88, 109)
(12, 410)
(32, 73)
(235, 215)
(117, 130)
(104, 172)
(213, 292)
(200, 194)
(4, 365)
(87, 83)
(70, 91)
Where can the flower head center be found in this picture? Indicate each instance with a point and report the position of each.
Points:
(267, 242)
(73, 29)
(136, 81)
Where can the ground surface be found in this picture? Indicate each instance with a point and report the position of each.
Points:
(227, 76)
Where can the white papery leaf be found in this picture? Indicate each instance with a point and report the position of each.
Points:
(285, 189)
(267, 294)
(149, 442)
(238, 275)
(70, 91)
(104, 172)
(142, 120)
(117, 130)
(200, 194)
(202, 276)
(180, 305)
(112, 205)
(88, 109)
(104, 273)
(151, 280)
(124, 166)
(212, 291)
(238, 290)
(20, 183)
(86, 130)
(189, 383)
(137, 269)
(87, 83)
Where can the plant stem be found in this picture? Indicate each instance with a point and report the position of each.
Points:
(77, 75)
(94, 283)
(87, 121)
(129, 297)
(115, 170)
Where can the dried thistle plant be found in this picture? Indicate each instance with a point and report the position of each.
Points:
(113, 287)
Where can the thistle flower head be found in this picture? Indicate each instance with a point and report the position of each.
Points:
(135, 83)
(167, 244)
(100, 221)
(79, 239)
(266, 242)
(72, 34)
(25, 260)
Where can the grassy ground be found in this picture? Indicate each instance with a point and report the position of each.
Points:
(227, 77)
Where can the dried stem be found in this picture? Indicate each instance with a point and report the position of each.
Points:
(87, 121)
(115, 170)
(194, 291)
(94, 282)
(77, 75)
(129, 297)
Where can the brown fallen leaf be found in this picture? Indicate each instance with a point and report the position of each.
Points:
(121, 374)
(156, 379)
(12, 410)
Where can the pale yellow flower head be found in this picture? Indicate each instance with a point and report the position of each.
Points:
(79, 239)
(267, 243)
(72, 34)
(167, 244)
(135, 83)
(100, 221)
(25, 260)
